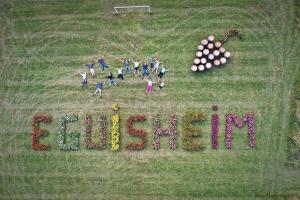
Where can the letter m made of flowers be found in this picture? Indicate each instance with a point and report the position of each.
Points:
(74, 145)
(239, 123)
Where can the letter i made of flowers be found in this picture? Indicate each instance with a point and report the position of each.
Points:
(115, 131)
(215, 128)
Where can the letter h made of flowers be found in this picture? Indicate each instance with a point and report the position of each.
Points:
(171, 132)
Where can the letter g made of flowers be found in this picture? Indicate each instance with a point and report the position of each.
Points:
(74, 145)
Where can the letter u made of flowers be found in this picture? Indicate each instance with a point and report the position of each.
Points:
(190, 132)
(37, 132)
(74, 145)
(171, 132)
(239, 123)
(101, 134)
(115, 131)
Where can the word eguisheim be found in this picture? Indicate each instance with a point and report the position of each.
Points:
(190, 131)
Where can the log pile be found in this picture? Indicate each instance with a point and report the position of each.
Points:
(210, 53)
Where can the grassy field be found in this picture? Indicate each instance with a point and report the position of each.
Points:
(43, 46)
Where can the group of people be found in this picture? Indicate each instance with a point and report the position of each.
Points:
(155, 67)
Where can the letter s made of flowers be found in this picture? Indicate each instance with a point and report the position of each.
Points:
(136, 132)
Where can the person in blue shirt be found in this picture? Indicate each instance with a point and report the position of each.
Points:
(111, 79)
(91, 67)
(99, 88)
(145, 70)
(126, 65)
(102, 63)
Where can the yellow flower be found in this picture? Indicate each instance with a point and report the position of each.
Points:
(115, 107)
(115, 132)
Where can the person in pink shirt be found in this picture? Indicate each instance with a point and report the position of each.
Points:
(149, 86)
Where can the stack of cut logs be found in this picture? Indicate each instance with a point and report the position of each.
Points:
(209, 54)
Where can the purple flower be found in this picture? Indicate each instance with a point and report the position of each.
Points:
(239, 123)
(215, 131)
(228, 131)
(171, 132)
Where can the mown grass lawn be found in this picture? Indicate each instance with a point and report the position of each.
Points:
(44, 45)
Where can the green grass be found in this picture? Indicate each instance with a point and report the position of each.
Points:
(43, 47)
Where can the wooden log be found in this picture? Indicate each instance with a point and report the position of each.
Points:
(211, 56)
(222, 50)
(210, 46)
(216, 53)
(211, 38)
(217, 62)
(218, 44)
(194, 68)
(201, 67)
(223, 60)
(206, 52)
(200, 47)
(196, 61)
(199, 54)
(203, 60)
(204, 42)
(227, 54)
(208, 65)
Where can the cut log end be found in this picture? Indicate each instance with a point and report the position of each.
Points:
(210, 46)
(211, 38)
(199, 54)
(205, 51)
(222, 50)
(201, 67)
(196, 61)
(200, 47)
(223, 60)
(194, 68)
(218, 44)
(208, 65)
(204, 42)
(217, 62)
(227, 54)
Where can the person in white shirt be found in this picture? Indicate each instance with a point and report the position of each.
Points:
(84, 79)
(156, 66)
(162, 84)
(120, 74)
(136, 66)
